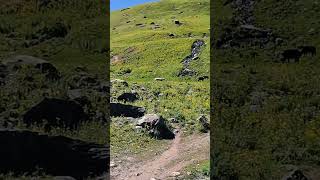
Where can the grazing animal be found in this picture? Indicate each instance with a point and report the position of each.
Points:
(305, 50)
(57, 112)
(291, 54)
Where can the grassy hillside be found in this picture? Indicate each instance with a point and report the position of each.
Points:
(67, 34)
(28, 27)
(265, 141)
(142, 49)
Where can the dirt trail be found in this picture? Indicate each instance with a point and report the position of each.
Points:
(182, 152)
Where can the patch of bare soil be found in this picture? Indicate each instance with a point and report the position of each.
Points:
(182, 152)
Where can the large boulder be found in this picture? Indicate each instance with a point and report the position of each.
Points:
(14, 63)
(23, 152)
(128, 97)
(156, 126)
(118, 110)
(204, 122)
(57, 112)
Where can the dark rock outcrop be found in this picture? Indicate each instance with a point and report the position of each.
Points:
(128, 97)
(117, 110)
(202, 78)
(57, 112)
(195, 51)
(156, 126)
(22, 152)
(205, 125)
(14, 63)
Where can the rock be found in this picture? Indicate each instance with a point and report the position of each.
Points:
(117, 59)
(74, 94)
(195, 51)
(128, 97)
(125, 71)
(14, 63)
(202, 78)
(159, 79)
(138, 129)
(54, 155)
(296, 174)
(175, 174)
(173, 120)
(205, 125)
(57, 112)
(177, 22)
(140, 25)
(156, 126)
(186, 72)
(117, 110)
(112, 164)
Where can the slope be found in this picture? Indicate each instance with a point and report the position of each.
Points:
(267, 113)
(147, 42)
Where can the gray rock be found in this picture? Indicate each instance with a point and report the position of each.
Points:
(204, 122)
(128, 97)
(16, 62)
(187, 72)
(156, 126)
(159, 79)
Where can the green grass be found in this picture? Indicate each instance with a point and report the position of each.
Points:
(155, 53)
(257, 145)
(150, 53)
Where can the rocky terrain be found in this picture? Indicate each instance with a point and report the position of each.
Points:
(265, 89)
(160, 91)
(54, 98)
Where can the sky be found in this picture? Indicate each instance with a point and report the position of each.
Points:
(120, 4)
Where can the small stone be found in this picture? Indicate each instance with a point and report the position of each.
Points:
(175, 174)
(112, 164)
(159, 79)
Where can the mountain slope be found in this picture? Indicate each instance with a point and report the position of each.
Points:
(148, 42)
(267, 113)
